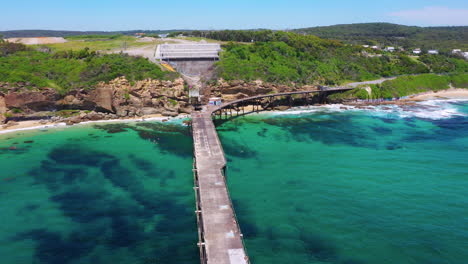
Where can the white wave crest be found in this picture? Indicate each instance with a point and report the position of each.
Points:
(431, 109)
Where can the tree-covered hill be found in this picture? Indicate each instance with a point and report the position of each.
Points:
(287, 57)
(444, 38)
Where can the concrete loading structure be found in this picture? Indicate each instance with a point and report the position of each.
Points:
(169, 52)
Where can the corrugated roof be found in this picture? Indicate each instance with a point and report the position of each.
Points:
(189, 51)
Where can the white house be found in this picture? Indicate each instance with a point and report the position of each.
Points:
(433, 52)
(456, 51)
(365, 46)
(375, 47)
(391, 49)
(465, 54)
(417, 51)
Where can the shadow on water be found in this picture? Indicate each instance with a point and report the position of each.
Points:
(73, 174)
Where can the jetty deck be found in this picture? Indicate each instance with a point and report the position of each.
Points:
(219, 233)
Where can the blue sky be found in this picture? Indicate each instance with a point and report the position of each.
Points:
(211, 14)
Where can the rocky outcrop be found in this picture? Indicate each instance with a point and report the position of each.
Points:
(118, 97)
(3, 109)
(102, 97)
(31, 100)
(232, 90)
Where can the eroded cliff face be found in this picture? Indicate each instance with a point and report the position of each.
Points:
(233, 90)
(118, 98)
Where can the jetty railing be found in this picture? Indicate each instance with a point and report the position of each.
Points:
(198, 212)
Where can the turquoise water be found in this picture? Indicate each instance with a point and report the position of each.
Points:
(313, 185)
(325, 185)
(117, 193)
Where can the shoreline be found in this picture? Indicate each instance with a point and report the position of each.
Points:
(450, 94)
(40, 124)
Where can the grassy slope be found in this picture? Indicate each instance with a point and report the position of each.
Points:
(100, 43)
(407, 85)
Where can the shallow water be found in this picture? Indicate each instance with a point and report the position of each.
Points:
(324, 185)
(110, 193)
(310, 185)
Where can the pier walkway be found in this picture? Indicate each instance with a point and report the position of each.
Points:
(220, 238)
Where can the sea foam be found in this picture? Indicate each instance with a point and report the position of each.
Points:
(431, 109)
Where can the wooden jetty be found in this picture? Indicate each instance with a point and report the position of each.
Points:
(220, 238)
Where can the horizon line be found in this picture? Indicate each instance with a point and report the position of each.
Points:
(220, 29)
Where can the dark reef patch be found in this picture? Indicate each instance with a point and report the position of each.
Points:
(114, 128)
(174, 139)
(141, 164)
(73, 154)
(234, 148)
(134, 219)
(335, 130)
(263, 132)
(52, 248)
(248, 228)
(382, 130)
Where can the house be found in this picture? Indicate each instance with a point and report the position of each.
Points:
(433, 52)
(375, 47)
(465, 54)
(163, 35)
(365, 46)
(417, 51)
(391, 49)
(456, 51)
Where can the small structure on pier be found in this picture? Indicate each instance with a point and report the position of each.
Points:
(215, 101)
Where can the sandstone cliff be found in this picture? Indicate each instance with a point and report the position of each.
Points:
(115, 99)
(233, 90)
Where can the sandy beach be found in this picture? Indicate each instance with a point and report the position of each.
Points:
(445, 94)
(43, 124)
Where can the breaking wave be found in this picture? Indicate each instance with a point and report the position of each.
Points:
(431, 109)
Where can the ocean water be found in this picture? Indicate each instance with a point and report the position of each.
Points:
(331, 184)
(337, 184)
(107, 193)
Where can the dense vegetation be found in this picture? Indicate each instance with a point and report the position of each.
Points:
(231, 35)
(406, 85)
(70, 69)
(292, 58)
(444, 38)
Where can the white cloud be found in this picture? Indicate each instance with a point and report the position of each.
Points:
(434, 15)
